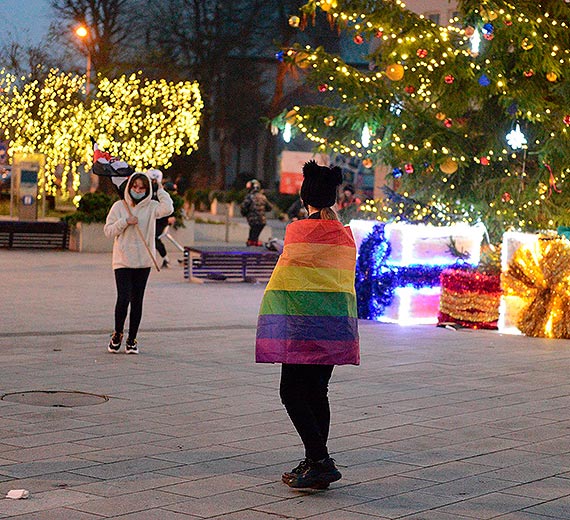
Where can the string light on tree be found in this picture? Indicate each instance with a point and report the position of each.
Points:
(144, 122)
(465, 91)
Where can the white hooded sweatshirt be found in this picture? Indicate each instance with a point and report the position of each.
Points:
(128, 247)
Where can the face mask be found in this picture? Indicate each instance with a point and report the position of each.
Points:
(137, 196)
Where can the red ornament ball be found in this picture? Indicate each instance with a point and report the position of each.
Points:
(323, 87)
(410, 89)
(566, 119)
(488, 36)
(358, 39)
(422, 53)
(484, 161)
(506, 197)
(448, 122)
(379, 34)
(528, 73)
(449, 78)
(409, 168)
(508, 23)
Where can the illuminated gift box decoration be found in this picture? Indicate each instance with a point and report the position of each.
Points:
(536, 286)
(470, 298)
(399, 267)
(511, 303)
(418, 244)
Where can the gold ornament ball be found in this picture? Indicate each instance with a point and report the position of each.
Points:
(440, 116)
(329, 121)
(527, 45)
(367, 163)
(294, 21)
(448, 166)
(395, 72)
(551, 76)
(469, 31)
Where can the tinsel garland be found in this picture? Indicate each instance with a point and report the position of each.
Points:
(540, 275)
(376, 281)
(372, 288)
(470, 298)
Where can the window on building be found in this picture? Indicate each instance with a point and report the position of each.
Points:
(434, 17)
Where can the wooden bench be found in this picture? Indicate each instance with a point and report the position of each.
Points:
(227, 263)
(42, 235)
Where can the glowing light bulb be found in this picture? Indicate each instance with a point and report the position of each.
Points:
(475, 42)
(516, 138)
(287, 133)
(365, 138)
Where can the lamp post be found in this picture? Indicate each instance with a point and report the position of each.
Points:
(82, 32)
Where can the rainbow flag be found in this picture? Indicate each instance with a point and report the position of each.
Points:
(308, 314)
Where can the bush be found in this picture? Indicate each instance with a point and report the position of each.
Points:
(283, 201)
(93, 207)
(178, 203)
(200, 198)
(229, 195)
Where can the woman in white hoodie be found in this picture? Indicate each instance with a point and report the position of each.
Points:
(132, 260)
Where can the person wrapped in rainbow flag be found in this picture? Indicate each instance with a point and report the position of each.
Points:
(308, 320)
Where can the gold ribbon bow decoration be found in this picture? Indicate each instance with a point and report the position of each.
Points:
(540, 275)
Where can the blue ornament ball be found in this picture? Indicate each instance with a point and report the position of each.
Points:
(487, 28)
(484, 80)
(397, 173)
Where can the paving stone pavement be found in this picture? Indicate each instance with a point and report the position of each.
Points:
(434, 425)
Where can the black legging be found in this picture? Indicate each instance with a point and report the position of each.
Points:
(303, 392)
(255, 231)
(160, 247)
(131, 284)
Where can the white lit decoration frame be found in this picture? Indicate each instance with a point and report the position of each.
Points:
(415, 245)
(510, 306)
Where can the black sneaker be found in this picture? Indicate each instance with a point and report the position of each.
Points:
(318, 475)
(303, 465)
(115, 343)
(131, 347)
(165, 264)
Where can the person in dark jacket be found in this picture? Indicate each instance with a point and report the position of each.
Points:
(253, 208)
(161, 223)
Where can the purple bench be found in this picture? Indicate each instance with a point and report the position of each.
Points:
(228, 263)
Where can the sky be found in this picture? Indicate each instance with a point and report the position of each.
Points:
(24, 21)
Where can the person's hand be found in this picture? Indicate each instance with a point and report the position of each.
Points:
(132, 221)
(171, 221)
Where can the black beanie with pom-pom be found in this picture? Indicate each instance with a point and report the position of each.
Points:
(320, 183)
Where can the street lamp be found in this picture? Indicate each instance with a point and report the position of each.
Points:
(82, 32)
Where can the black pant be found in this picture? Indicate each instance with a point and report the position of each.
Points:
(131, 284)
(160, 247)
(255, 231)
(303, 392)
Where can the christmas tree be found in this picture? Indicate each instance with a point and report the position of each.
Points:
(473, 119)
